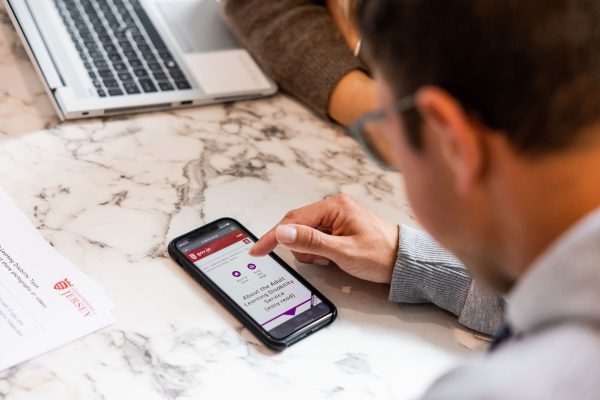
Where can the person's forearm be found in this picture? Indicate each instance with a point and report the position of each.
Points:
(426, 273)
(353, 96)
(296, 42)
(343, 22)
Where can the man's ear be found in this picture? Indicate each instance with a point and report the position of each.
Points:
(458, 138)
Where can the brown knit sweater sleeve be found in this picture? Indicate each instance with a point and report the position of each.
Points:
(296, 42)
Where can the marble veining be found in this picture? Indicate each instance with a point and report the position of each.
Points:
(110, 194)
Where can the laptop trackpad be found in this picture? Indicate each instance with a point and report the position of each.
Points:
(222, 72)
(197, 25)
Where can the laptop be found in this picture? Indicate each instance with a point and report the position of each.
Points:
(108, 57)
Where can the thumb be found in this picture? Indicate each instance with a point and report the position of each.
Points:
(304, 239)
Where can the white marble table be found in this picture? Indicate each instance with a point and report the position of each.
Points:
(110, 194)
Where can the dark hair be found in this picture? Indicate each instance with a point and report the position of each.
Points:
(527, 68)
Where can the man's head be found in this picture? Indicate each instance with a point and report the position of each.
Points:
(507, 113)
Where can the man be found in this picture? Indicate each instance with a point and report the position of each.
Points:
(492, 109)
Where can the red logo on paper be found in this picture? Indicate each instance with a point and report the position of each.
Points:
(62, 285)
(73, 296)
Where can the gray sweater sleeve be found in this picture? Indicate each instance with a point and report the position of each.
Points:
(296, 42)
(426, 273)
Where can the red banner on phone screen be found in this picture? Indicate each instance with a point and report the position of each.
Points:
(216, 245)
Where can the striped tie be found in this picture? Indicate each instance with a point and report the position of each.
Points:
(504, 333)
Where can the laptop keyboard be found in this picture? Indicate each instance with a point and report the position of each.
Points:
(120, 47)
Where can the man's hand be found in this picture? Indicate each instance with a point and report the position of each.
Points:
(337, 230)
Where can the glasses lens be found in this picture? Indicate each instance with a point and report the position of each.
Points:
(373, 136)
(373, 133)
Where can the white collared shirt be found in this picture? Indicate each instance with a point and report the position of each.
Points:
(554, 310)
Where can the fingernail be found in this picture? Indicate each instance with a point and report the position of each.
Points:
(286, 233)
(321, 261)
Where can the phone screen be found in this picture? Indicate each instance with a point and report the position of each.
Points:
(264, 289)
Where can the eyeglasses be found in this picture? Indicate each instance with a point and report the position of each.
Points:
(376, 144)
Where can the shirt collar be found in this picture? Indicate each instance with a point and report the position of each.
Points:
(564, 282)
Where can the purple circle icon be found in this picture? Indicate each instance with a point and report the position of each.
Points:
(251, 266)
(237, 274)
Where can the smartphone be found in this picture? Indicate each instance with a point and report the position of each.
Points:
(264, 293)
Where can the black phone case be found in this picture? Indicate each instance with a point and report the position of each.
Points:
(231, 306)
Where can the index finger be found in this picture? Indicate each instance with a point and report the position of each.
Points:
(312, 215)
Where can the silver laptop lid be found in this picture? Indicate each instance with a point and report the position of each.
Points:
(206, 55)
